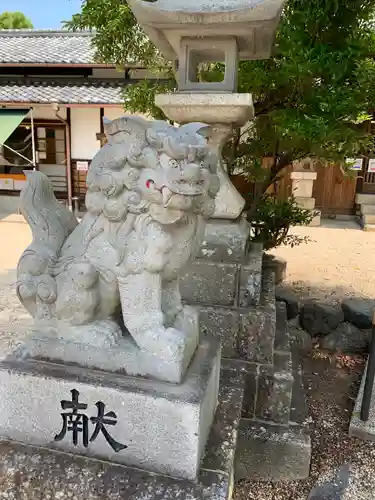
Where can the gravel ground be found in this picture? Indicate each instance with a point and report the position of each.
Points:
(337, 263)
(14, 320)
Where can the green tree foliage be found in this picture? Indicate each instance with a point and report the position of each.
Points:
(312, 98)
(118, 39)
(15, 21)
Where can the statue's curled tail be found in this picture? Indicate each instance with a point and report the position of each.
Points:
(51, 223)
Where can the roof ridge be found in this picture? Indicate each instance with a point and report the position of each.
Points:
(43, 32)
(55, 80)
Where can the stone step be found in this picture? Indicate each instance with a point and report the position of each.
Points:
(269, 452)
(317, 219)
(365, 199)
(274, 396)
(250, 276)
(256, 335)
(298, 411)
(368, 219)
(31, 473)
(268, 391)
(276, 264)
(368, 209)
(281, 334)
(268, 287)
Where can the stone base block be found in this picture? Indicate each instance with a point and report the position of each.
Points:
(211, 283)
(275, 264)
(306, 203)
(268, 452)
(34, 473)
(248, 333)
(358, 428)
(257, 334)
(225, 241)
(122, 355)
(144, 423)
(223, 323)
(317, 219)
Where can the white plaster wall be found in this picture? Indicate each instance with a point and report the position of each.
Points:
(115, 112)
(85, 124)
(47, 113)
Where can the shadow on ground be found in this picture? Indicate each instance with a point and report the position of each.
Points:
(340, 224)
(331, 294)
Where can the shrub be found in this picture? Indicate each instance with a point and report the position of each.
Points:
(272, 220)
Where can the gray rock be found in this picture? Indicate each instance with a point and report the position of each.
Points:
(359, 311)
(319, 318)
(347, 338)
(277, 265)
(291, 301)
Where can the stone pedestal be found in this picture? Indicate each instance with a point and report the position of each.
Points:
(152, 425)
(36, 473)
(224, 282)
(302, 189)
(236, 300)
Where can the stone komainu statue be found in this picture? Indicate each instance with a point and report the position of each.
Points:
(149, 190)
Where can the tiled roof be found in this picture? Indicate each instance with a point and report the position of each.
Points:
(46, 47)
(62, 91)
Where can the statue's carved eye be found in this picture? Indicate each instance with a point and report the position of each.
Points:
(174, 163)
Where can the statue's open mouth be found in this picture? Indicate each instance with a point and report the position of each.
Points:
(180, 190)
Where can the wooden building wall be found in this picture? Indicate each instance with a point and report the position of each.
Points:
(333, 191)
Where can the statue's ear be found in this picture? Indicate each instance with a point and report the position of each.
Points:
(197, 128)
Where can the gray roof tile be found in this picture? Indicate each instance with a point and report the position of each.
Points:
(48, 47)
(62, 92)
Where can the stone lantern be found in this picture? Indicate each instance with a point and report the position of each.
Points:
(196, 32)
(227, 282)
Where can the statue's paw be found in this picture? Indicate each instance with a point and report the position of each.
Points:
(105, 333)
(171, 316)
(175, 341)
(165, 342)
(187, 321)
(108, 331)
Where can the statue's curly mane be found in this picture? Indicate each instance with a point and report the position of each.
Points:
(114, 173)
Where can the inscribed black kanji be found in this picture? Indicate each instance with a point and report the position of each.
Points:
(77, 423)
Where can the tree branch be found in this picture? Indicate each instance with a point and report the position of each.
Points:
(279, 163)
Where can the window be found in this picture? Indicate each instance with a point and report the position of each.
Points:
(50, 145)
